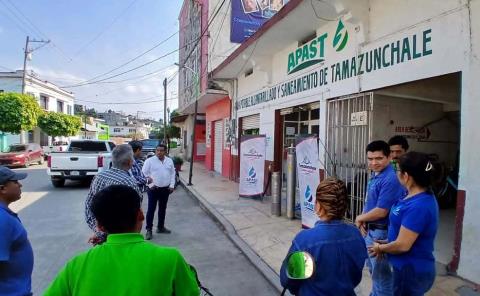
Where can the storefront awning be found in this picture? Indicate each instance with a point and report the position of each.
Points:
(207, 98)
(279, 32)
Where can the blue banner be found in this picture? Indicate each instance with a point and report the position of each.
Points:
(249, 15)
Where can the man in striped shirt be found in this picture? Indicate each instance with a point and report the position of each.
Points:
(122, 161)
(136, 169)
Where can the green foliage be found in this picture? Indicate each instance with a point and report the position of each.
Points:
(18, 112)
(58, 124)
(174, 113)
(173, 131)
(177, 160)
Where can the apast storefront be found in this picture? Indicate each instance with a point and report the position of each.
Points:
(366, 74)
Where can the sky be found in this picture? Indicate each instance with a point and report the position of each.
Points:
(90, 38)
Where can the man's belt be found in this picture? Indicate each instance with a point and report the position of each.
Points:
(377, 226)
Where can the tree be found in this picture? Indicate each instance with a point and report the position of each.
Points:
(58, 124)
(18, 112)
(135, 136)
(172, 132)
(173, 114)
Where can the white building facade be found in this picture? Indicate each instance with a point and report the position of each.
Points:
(355, 71)
(49, 96)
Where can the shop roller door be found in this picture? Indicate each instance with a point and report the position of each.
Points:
(218, 140)
(349, 131)
(250, 122)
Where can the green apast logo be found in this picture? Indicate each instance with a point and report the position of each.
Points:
(313, 52)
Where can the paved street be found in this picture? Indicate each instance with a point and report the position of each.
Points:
(54, 220)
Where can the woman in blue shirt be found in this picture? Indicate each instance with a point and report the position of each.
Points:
(412, 228)
(338, 248)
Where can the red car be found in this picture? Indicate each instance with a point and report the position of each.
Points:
(22, 155)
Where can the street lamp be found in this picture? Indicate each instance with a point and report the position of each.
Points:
(194, 125)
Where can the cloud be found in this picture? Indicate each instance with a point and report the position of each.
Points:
(59, 77)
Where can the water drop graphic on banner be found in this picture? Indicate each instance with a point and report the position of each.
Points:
(252, 173)
(308, 194)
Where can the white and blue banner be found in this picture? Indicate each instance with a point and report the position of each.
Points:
(252, 165)
(308, 177)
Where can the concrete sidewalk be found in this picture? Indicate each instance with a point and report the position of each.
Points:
(265, 239)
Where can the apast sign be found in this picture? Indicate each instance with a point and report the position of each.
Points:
(313, 52)
(340, 67)
(400, 51)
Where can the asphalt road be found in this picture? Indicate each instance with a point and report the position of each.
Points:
(54, 220)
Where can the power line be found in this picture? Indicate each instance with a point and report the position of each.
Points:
(126, 103)
(37, 30)
(152, 61)
(125, 72)
(135, 58)
(138, 77)
(17, 23)
(105, 29)
(8, 69)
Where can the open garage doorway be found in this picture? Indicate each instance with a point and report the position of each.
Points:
(427, 113)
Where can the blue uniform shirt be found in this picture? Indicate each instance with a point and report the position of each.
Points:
(383, 191)
(16, 255)
(419, 214)
(339, 252)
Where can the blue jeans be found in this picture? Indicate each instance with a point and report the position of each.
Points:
(157, 195)
(380, 269)
(407, 282)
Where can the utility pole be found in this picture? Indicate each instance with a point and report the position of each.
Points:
(136, 125)
(25, 57)
(85, 126)
(27, 52)
(165, 112)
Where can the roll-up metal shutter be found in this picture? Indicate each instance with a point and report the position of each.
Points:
(218, 146)
(251, 122)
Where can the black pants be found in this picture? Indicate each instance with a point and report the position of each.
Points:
(157, 195)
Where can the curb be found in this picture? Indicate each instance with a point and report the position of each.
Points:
(270, 275)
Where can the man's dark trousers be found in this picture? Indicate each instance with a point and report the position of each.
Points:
(157, 195)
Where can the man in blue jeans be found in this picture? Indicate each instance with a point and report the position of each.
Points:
(383, 191)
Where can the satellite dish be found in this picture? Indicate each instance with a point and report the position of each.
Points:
(29, 56)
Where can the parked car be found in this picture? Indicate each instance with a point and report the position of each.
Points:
(82, 161)
(22, 155)
(149, 146)
(57, 146)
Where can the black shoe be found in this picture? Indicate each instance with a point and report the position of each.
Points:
(148, 235)
(163, 230)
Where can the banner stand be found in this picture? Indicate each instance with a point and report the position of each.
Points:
(308, 177)
(252, 165)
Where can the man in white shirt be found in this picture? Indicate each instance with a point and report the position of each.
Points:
(160, 173)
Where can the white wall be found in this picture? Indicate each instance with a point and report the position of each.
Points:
(469, 156)
(407, 112)
(126, 130)
(387, 16)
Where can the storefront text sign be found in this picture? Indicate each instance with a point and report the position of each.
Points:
(408, 48)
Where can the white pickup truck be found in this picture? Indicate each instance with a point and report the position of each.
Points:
(57, 146)
(83, 160)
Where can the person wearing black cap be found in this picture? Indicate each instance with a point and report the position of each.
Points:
(16, 254)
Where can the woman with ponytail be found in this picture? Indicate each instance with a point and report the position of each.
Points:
(336, 246)
(413, 224)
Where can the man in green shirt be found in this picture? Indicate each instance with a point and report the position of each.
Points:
(125, 264)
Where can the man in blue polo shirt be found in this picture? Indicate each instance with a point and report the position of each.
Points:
(16, 255)
(383, 191)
